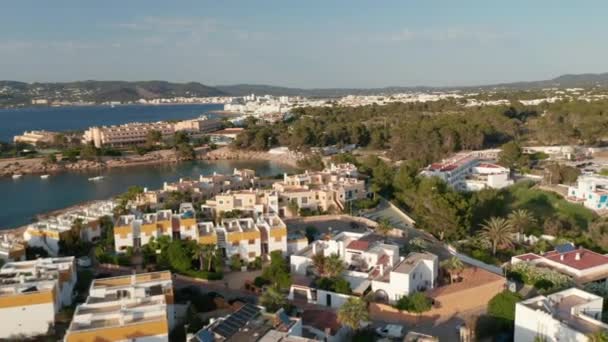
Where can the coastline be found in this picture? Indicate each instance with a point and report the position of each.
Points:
(33, 166)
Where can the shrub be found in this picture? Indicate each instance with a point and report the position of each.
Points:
(236, 263)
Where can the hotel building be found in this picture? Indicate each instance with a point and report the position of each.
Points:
(32, 293)
(136, 133)
(138, 307)
(251, 238)
(465, 172)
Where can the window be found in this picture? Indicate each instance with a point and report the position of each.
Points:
(251, 242)
(235, 243)
(251, 254)
(277, 239)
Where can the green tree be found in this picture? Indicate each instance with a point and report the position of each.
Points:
(89, 152)
(50, 158)
(353, 312)
(272, 299)
(334, 266)
(512, 156)
(185, 152)
(180, 137)
(153, 137)
(502, 307)
(277, 273)
(383, 228)
(453, 266)
(498, 232)
(521, 220)
(179, 259)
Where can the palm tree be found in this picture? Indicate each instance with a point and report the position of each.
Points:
(453, 266)
(497, 231)
(272, 299)
(521, 219)
(205, 253)
(334, 266)
(353, 312)
(318, 262)
(383, 228)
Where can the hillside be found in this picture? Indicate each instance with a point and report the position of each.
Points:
(13, 93)
(19, 93)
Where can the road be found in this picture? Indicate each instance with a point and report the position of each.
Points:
(387, 212)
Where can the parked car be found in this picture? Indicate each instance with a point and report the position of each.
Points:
(390, 330)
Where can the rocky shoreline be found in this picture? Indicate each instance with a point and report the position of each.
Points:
(23, 166)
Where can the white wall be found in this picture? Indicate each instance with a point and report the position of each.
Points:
(28, 320)
(530, 323)
(299, 264)
(337, 299)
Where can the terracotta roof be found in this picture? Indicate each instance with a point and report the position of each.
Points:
(359, 245)
(588, 259)
(321, 319)
(472, 277)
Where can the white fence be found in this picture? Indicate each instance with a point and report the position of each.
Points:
(469, 260)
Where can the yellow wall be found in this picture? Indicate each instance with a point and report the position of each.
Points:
(148, 229)
(121, 333)
(208, 239)
(123, 231)
(278, 232)
(26, 299)
(240, 236)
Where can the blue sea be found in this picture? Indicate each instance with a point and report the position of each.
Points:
(16, 121)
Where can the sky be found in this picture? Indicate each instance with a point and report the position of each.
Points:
(310, 44)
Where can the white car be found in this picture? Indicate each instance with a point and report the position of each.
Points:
(390, 330)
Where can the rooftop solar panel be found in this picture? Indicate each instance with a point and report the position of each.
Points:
(564, 248)
(236, 321)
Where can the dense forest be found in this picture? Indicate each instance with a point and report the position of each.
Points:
(429, 131)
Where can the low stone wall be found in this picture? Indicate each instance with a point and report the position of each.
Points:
(449, 300)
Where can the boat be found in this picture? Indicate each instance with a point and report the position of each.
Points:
(44, 176)
(17, 176)
(94, 179)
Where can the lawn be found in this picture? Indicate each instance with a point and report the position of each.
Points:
(545, 204)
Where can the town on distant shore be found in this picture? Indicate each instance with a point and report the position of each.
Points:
(418, 216)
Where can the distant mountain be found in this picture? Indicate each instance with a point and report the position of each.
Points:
(13, 93)
(19, 93)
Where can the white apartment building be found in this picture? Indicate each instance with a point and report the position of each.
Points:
(465, 172)
(47, 233)
(32, 293)
(205, 186)
(134, 232)
(252, 202)
(240, 237)
(591, 191)
(135, 133)
(417, 272)
(371, 266)
(569, 315)
(583, 265)
(139, 307)
(335, 186)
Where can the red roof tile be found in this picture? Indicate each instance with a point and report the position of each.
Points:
(359, 245)
(588, 259)
(527, 257)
